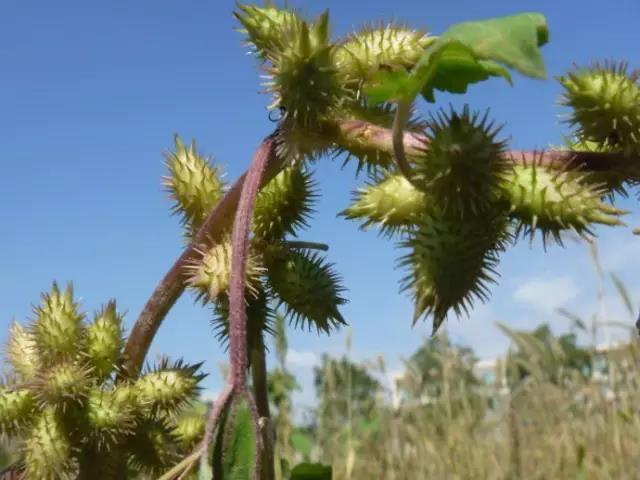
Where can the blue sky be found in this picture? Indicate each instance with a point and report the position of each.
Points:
(91, 94)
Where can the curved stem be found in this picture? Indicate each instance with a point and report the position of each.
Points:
(239, 253)
(172, 285)
(399, 122)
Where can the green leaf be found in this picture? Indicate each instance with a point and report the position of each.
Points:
(311, 471)
(458, 68)
(238, 444)
(466, 53)
(513, 41)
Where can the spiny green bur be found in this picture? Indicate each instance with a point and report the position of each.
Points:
(48, 450)
(209, 276)
(391, 203)
(58, 329)
(105, 341)
(551, 202)
(308, 288)
(451, 261)
(284, 205)
(363, 53)
(462, 162)
(193, 183)
(62, 405)
(605, 103)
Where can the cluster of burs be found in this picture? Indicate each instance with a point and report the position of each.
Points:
(469, 198)
(65, 398)
(62, 400)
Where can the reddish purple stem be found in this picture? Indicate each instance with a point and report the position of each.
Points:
(240, 250)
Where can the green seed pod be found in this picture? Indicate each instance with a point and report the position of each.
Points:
(463, 163)
(304, 79)
(549, 202)
(451, 260)
(48, 451)
(16, 410)
(392, 202)
(105, 341)
(109, 416)
(189, 430)
(193, 183)
(22, 353)
(308, 287)
(284, 204)
(168, 387)
(62, 384)
(364, 53)
(58, 329)
(210, 275)
(268, 28)
(606, 105)
(152, 449)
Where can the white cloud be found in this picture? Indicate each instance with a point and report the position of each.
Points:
(301, 359)
(546, 293)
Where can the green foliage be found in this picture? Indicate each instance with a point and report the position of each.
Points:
(343, 387)
(311, 471)
(435, 362)
(235, 451)
(546, 357)
(467, 53)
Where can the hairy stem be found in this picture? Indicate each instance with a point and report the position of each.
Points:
(172, 285)
(239, 253)
(367, 135)
(261, 395)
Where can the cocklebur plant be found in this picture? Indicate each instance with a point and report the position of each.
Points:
(446, 188)
(62, 403)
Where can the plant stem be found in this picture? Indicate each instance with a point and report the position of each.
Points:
(397, 135)
(172, 285)
(260, 393)
(352, 133)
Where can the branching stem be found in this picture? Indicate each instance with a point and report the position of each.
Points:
(172, 285)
